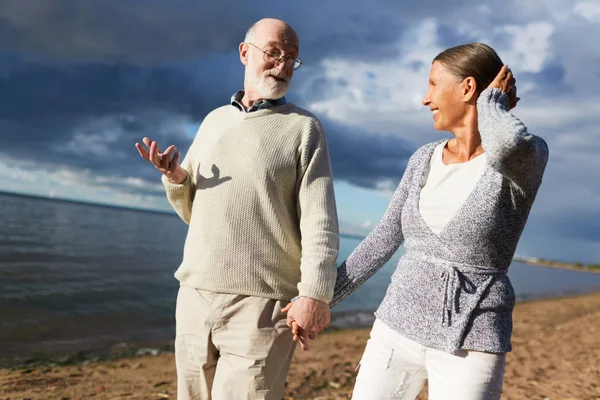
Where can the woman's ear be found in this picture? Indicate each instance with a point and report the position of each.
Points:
(469, 89)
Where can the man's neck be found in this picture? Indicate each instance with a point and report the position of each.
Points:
(250, 105)
(250, 98)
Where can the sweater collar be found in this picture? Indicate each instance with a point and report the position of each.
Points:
(236, 101)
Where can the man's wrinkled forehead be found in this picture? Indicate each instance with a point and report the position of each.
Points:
(285, 38)
(283, 44)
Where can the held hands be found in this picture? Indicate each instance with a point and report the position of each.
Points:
(307, 317)
(166, 162)
(506, 82)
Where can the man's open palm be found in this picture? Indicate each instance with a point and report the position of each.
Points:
(166, 162)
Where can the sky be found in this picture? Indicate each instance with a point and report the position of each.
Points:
(82, 81)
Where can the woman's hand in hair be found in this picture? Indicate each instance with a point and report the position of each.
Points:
(506, 82)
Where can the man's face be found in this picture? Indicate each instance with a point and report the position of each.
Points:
(266, 77)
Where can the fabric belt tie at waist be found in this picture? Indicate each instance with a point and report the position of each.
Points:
(453, 285)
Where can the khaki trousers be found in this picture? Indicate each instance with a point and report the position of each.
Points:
(230, 346)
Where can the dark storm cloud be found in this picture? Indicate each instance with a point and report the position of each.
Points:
(71, 70)
(44, 105)
(365, 159)
(156, 31)
(114, 30)
(88, 115)
(147, 31)
(136, 62)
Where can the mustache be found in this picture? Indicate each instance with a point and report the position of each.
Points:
(277, 74)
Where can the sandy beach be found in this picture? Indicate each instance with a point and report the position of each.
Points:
(556, 356)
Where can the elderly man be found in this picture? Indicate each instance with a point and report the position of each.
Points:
(255, 188)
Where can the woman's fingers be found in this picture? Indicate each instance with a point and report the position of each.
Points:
(497, 82)
(508, 81)
(502, 74)
(304, 341)
(505, 81)
(302, 335)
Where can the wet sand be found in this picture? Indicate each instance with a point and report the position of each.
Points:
(556, 356)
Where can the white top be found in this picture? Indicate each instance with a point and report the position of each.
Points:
(446, 187)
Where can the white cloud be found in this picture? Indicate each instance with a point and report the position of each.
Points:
(378, 96)
(589, 10)
(59, 181)
(529, 47)
(92, 143)
(385, 96)
(102, 137)
(132, 182)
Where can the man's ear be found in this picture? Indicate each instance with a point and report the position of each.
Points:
(244, 53)
(469, 89)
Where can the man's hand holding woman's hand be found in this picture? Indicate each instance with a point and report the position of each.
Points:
(307, 317)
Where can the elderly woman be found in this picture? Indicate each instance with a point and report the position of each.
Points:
(459, 209)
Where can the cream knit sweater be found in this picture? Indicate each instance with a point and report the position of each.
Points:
(260, 205)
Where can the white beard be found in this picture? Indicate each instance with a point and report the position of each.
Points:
(270, 88)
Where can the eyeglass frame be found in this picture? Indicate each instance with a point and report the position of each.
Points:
(280, 58)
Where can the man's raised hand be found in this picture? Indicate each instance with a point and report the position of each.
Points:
(166, 162)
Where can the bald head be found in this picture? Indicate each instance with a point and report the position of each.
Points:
(270, 53)
(268, 28)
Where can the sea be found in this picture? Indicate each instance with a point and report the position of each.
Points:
(82, 281)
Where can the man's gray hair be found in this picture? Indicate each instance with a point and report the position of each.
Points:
(250, 34)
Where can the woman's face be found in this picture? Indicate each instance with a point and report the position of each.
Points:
(444, 98)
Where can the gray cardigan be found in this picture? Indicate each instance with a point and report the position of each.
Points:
(451, 291)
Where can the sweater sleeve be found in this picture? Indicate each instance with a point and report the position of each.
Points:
(511, 150)
(377, 248)
(318, 217)
(181, 196)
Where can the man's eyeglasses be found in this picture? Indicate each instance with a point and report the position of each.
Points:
(274, 56)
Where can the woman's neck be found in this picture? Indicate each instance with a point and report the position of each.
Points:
(466, 143)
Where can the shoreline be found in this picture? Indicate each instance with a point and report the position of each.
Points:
(341, 321)
(556, 355)
(561, 265)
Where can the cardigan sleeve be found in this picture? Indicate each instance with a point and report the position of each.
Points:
(378, 247)
(511, 149)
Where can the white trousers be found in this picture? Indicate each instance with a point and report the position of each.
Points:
(394, 367)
